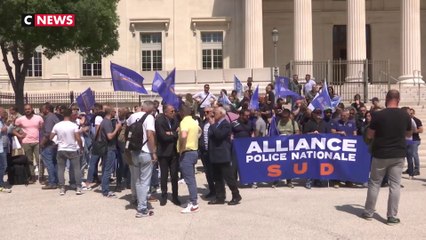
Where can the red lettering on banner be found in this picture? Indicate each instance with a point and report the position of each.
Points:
(326, 169)
(298, 171)
(274, 170)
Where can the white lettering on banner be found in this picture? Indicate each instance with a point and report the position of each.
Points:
(266, 157)
(349, 145)
(334, 149)
(266, 147)
(331, 144)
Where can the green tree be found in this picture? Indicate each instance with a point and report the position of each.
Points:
(94, 34)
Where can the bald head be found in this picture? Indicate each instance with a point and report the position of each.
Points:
(392, 98)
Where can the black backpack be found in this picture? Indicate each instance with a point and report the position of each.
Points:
(134, 135)
(19, 170)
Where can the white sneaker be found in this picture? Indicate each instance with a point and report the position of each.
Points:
(78, 191)
(182, 181)
(62, 191)
(190, 208)
(5, 190)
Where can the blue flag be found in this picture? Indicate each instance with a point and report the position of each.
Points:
(273, 130)
(254, 101)
(282, 91)
(238, 86)
(124, 79)
(322, 100)
(170, 80)
(86, 100)
(167, 93)
(335, 101)
(157, 82)
(224, 99)
(284, 81)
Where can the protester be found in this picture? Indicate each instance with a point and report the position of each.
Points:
(143, 160)
(204, 153)
(3, 150)
(48, 147)
(95, 121)
(287, 126)
(241, 128)
(410, 146)
(166, 132)
(309, 84)
(294, 85)
(70, 147)
(357, 104)
(270, 96)
(375, 105)
(204, 99)
(260, 125)
(220, 156)
(108, 133)
(416, 142)
(388, 128)
(189, 132)
(344, 127)
(30, 125)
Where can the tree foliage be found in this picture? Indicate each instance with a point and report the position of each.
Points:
(94, 34)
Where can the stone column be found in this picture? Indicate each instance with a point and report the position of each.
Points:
(410, 42)
(253, 34)
(357, 46)
(303, 53)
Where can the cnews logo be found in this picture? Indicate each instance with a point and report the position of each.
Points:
(48, 20)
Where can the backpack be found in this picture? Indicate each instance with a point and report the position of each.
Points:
(134, 135)
(19, 170)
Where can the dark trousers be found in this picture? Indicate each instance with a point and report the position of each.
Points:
(208, 170)
(222, 172)
(169, 164)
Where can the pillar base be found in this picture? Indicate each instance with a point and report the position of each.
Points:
(411, 79)
(354, 79)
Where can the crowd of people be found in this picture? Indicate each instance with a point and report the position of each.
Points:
(173, 140)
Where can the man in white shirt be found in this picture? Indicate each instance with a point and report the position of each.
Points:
(310, 83)
(204, 99)
(69, 147)
(143, 160)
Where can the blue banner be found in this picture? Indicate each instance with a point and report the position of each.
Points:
(315, 156)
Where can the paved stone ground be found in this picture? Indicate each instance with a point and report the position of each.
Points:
(265, 213)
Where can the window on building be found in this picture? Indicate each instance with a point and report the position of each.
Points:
(35, 66)
(211, 45)
(152, 56)
(92, 68)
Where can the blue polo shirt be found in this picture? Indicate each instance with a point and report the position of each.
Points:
(349, 127)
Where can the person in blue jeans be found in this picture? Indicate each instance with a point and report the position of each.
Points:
(144, 159)
(189, 132)
(108, 133)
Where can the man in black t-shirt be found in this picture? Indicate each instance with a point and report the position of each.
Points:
(388, 128)
(416, 142)
(242, 127)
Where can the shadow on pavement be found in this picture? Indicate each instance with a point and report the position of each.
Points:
(357, 210)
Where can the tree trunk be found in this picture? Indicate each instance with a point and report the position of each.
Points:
(19, 98)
